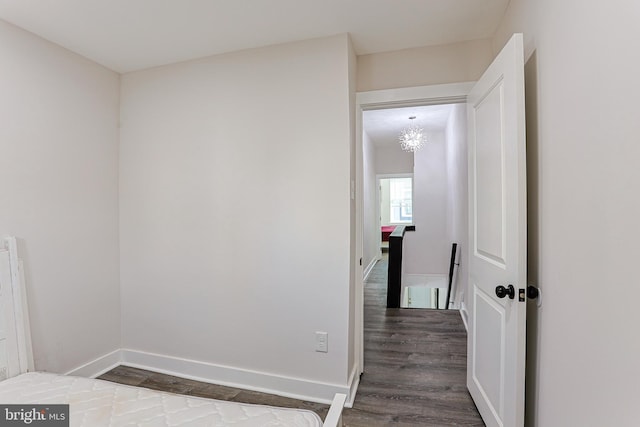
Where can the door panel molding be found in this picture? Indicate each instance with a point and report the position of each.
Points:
(497, 226)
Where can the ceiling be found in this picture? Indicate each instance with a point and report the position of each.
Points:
(383, 126)
(128, 35)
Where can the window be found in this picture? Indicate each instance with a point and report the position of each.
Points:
(396, 200)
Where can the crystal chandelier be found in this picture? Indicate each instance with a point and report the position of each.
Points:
(412, 138)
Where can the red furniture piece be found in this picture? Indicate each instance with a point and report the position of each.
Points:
(386, 231)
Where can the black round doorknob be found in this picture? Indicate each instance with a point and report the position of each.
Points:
(502, 292)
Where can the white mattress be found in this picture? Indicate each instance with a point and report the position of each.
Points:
(97, 403)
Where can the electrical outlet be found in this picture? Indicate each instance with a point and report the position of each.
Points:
(322, 342)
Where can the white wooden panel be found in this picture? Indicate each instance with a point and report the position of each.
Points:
(17, 355)
(497, 226)
(488, 354)
(489, 176)
(4, 282)
(3, 359)
(10, 364)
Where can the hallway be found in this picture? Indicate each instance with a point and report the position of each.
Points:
(415, 365)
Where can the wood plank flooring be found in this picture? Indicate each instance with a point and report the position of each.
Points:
(415, 370)
(415, 365)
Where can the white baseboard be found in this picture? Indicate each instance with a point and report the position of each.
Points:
(369, 268)
(295, 388)
(99, 366)
(354, 381)
(465, 316)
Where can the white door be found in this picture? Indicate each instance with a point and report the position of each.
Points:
(498, 233)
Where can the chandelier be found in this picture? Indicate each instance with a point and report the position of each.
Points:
(412, 138)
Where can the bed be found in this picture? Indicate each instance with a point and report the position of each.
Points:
(94, 403)
(98, 403)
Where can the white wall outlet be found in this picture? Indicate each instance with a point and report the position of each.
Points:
(322, 342)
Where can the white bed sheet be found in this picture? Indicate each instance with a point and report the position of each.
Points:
(97, 403)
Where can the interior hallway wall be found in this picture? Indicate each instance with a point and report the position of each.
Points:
(457, 197)
(392, 160)
(59, 195)
(426, 249)
(371, 234)
(354, 303)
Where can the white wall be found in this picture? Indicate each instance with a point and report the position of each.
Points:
(458, 62)
(235, 209)
(371, 234)
(385, 201)
(58, 177)
(583, 153)
(427, 249)
(355, 249)
(59, 195)
(393, 160)
(457, 198)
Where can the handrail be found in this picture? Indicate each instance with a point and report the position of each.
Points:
(452, 265)
(394, 270)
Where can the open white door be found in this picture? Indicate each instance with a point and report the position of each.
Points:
(498, 239)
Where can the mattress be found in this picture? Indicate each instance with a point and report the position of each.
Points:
(97, 403)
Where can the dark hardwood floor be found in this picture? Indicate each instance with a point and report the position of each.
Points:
(415, 365)
(415, 370)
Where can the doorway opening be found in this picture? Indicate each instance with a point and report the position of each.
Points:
(425, 190)
(438, 213)
(497, 223)
(368, 236)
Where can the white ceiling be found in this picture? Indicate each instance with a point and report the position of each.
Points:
(383, 126)
(128, 35)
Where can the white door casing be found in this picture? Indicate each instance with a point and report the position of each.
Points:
(497, 237)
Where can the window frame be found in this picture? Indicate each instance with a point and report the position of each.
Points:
(379, 178)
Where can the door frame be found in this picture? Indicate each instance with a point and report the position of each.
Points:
(452, 93)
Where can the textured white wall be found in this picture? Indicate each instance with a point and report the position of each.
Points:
(59, 195)
(583, 153)
(235, 209)
(426, 249)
